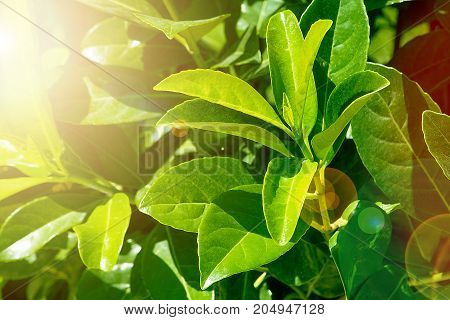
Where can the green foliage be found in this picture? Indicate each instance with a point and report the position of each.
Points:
(435, 128)
(101, 237)
(209, 149)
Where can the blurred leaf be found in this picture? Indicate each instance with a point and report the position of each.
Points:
(23, 155)
(123, 8)
(105, 109)
(9, 187)
(430, 68)
(377, 4)
(187, 30)
(33, 225)
(120, 50)
(167, 267)
(180, 196)
(102, 236)
(233, 236)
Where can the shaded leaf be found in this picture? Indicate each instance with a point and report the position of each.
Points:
(344, 103)
(33, 225)
(393, 149)
(200, 114)
(180, 196)
(301, 264)
(105, 109)
(233, 236)
(435, 127)
(359, 248)
(168, 267)
(224, 89)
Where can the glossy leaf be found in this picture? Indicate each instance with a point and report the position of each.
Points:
(167, 268)
(181, 195)
(234, 93)
(289, 73)
(33, 225)
(101, 237)
(105, 109)
(393, 149)
(343, 51)
(233, 236)
(359, 247)
(377, 4)
(346, 100)
(435, 127)
(286, 184)
(200, 114)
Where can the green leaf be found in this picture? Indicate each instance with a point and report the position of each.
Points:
(224, 89)
(343, 51)
(105, 109)
(101, 237)
(359, 247)
(194, 30)
(240, 287)
(389, 283)
(233, 236)
(377, 4)
(393, 149)
(200, 114)
(123, 8)
(290, 74)
(171, 257)
(257, 13)
(25, 108)
(120, 50)
(346, 100)
(24, 155)
(180, 196)
(286, 184)
(9, 187)
(435, 127)
(301, 264)
(33, 225)
(328, 283)
(109, 285)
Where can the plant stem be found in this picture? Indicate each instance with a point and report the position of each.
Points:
(319, 182)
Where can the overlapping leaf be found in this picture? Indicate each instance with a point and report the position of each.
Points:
(181, 195)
